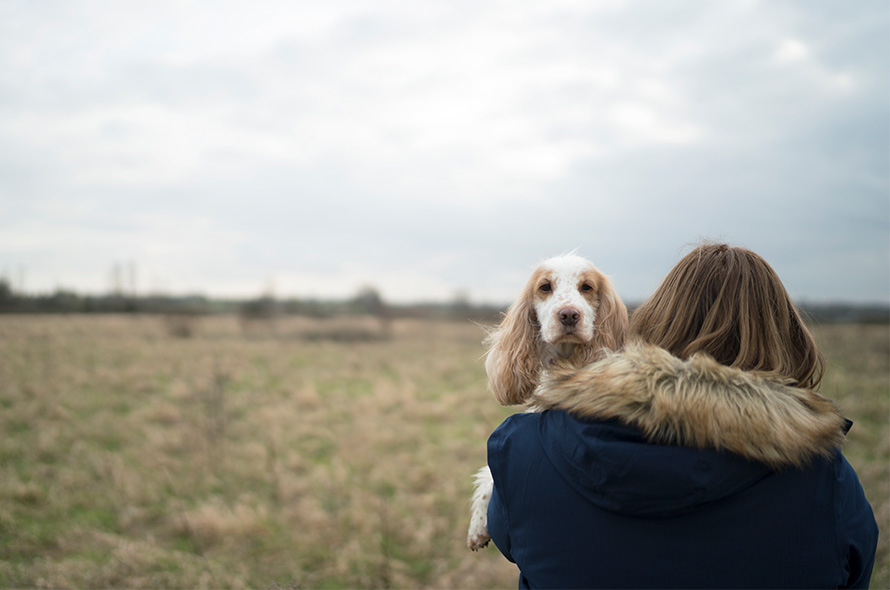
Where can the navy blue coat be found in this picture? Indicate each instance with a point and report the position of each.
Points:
(590, 504)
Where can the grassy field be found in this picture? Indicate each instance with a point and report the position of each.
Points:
(298, 454)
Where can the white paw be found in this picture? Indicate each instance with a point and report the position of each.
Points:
(478, 536)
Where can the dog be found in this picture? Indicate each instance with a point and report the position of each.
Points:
(568, 312)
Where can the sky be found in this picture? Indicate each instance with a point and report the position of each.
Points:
(437, 150)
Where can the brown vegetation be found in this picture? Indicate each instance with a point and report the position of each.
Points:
(318, 454)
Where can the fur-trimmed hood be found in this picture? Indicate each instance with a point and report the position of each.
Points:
(583, 479)
(699, 403)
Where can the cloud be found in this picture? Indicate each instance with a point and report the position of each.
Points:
(223, 145)
(791, 50)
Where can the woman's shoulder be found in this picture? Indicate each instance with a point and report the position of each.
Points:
(518, 426)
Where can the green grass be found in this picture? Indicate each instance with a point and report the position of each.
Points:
(279, 458)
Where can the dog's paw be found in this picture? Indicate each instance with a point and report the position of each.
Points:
(478, 541)
(477, 536)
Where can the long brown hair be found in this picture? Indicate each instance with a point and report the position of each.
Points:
(729, 303)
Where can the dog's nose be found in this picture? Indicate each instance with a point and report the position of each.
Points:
(569, 316)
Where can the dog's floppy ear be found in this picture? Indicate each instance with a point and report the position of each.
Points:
(513, 363)
(611, 325)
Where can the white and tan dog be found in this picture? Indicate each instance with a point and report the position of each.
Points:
(568, 311)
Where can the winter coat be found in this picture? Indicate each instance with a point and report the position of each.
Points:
(643, 470)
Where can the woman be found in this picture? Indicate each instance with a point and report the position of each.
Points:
(700, 456)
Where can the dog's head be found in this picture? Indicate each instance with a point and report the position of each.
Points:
(566, 301)
(565, 294)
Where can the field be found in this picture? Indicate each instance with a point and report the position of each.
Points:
(145, 452)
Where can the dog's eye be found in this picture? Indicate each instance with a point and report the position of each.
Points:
(585, 287)
(546, 288)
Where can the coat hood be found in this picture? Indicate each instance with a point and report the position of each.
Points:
(615, 468)
(719, 430)
(699, 403)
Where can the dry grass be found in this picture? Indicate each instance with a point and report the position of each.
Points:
(298, 454)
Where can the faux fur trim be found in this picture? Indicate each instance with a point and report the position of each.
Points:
(699, 403)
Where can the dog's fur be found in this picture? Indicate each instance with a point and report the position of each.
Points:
(532, 335)
(568, 313)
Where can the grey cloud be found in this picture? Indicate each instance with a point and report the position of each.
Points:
(396, 138)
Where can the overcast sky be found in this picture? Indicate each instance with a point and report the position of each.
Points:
(430, 148)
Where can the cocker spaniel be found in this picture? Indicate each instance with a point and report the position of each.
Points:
(567, 312)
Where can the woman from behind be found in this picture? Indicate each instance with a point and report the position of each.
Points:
(699, 456)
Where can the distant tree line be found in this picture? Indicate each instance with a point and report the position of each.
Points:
(366, 302)
(846, 313)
